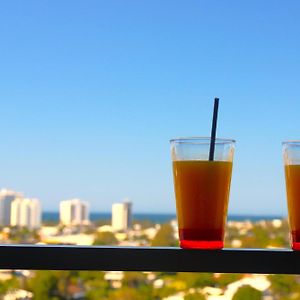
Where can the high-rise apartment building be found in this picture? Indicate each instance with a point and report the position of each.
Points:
(26, 213)
(6, 198)
(74, 212)
(121, 216)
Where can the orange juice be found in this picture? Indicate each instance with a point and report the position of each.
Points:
(202, 193)
(292, 176)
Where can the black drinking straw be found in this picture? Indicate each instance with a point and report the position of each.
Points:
(213, 130)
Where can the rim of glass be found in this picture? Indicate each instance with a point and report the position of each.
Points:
(291, 142)
(201, 140)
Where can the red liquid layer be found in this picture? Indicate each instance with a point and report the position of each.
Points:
(295, 239)
(201, 239)
(203, 244)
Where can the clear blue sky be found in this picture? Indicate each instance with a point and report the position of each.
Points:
(92, 91)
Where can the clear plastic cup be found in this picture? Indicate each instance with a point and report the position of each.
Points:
(202, 190)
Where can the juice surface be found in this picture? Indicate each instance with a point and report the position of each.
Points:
(292, 174)
(202, 192)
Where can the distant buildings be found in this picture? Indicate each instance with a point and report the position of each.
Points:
(74, 212)
(26, 213)
(121, 216)
(15, 210)
(6, 198)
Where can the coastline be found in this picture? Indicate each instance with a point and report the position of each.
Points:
(160, 218)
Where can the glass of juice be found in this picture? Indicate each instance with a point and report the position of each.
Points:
(291, 157)
(202, 190)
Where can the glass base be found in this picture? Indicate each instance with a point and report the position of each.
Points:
(295, 240)
(199, 238)
(188, 244)
(296, 246)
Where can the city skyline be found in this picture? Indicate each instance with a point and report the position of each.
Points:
(91, 95)
(80, 210)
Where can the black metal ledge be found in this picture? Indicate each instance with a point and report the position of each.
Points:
(264, 261)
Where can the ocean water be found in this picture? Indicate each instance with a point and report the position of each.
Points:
(157, 218)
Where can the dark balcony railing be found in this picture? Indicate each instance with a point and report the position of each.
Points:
(36, 257)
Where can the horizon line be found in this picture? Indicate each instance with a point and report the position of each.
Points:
(174, 213)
